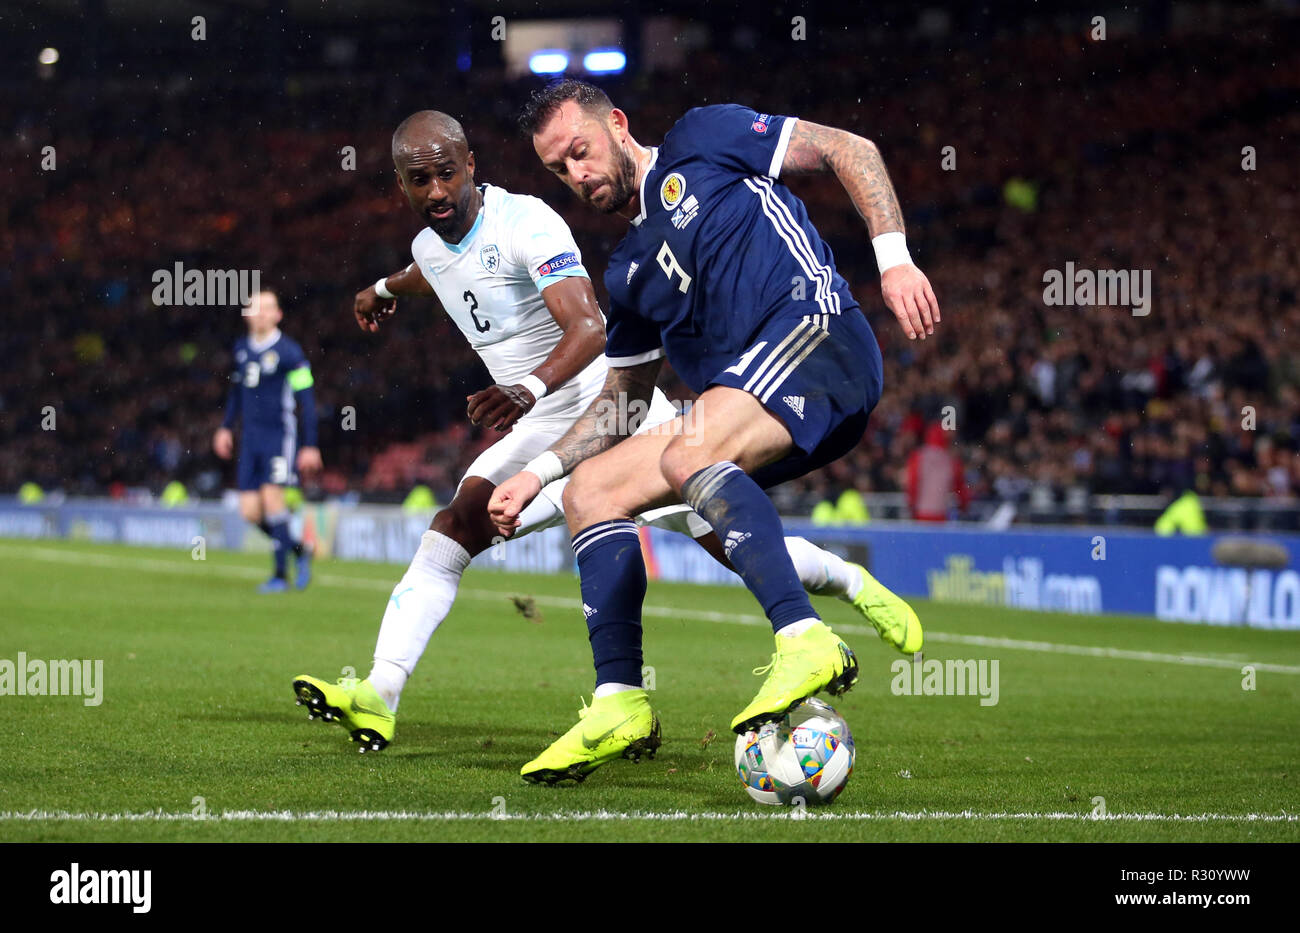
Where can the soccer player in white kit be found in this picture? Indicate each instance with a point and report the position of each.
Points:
(506, 269)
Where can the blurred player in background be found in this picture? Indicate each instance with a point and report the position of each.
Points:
(722, 273)
(271, 390)
(507, 271)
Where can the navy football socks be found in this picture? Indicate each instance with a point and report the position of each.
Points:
(746, 521)
(277, 526)
(613, 588)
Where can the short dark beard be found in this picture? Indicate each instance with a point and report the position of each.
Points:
(622, 182)
(446, 229)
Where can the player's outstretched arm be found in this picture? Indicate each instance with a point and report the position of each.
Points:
(572, 303)
(597, 430)
(857, 163)
(370, 307)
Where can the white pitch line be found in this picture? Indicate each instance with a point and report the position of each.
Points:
(563, 602)
(614, 816)
(850, 628)
(1122, 654)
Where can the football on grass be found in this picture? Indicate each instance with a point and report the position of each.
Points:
(809, 755)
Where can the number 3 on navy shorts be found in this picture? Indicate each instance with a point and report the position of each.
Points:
(279, 470)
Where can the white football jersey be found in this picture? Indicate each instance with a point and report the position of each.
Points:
(490, 284)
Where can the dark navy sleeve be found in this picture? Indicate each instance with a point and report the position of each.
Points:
(630, 339)
(307, 415)
(291, 355)
(734, 137)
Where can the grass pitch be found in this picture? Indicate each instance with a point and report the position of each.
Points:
(1150, 716)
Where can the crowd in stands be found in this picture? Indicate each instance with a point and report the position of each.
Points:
(1173, 154)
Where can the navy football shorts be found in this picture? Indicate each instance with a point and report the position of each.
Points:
(266, 460)
(821, 374)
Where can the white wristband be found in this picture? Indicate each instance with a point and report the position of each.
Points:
(546, 467)
(381, 288)
(534, 385)
(891, 250)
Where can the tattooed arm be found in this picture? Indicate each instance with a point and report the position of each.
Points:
(856, 162)
(625, 386)
(628, 388)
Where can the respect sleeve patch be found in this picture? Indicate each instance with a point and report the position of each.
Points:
(557, 264)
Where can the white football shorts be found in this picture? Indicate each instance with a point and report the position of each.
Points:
(509, 455)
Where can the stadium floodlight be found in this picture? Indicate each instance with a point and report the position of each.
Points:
(48, 56)
(604, 61)
(548, 62)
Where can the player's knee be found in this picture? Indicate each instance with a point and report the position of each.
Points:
(460, 527)
(679, 462)
(574, 491)
(251, 511)
(586, 497)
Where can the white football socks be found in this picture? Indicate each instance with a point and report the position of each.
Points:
(388, 680)
(417, 607)
(822, 572)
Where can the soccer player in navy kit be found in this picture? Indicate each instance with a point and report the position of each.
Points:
(271, 390)
(506, 270)
(723, 274)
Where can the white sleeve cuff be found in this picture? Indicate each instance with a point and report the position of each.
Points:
(891, 250)
(534, 385)
(546, 467)
(782, 144)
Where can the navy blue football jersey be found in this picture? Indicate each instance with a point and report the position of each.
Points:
(266, 379)
(719, 249)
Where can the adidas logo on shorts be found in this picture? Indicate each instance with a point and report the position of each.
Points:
(796, 404)
(588, 611)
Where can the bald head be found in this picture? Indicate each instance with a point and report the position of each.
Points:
(428, 129)
(436, 172)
